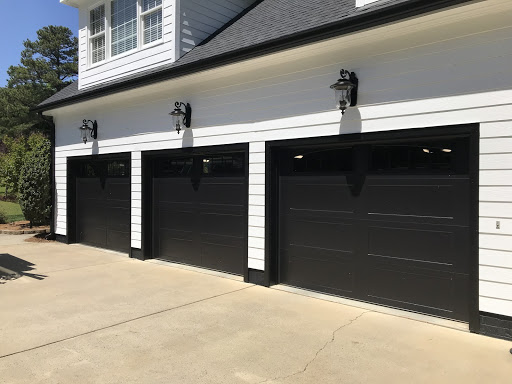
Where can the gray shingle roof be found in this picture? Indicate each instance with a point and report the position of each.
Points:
(264, 27)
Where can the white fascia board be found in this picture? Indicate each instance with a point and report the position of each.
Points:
(362, 3)
(74, 3)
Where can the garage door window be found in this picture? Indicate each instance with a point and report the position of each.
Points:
(447, 156)
(322, 160)
(224, 165)
(176, 167)
(118, 169)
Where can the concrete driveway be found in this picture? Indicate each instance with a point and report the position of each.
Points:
(80, 315)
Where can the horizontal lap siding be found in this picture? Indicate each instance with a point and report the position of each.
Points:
(405, 83)
(141, 60)
(201, 18)
(257, 205)
(61, 198)
(496, 205)
(136, 212)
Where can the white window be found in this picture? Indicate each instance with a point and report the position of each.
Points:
(97, 36)
(119, 26)
(123, 26)
(151, 20)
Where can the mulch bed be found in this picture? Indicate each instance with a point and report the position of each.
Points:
(22, 227)
(40, 238)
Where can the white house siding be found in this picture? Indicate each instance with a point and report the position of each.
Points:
(443, 69)
(201, 18)
(139, 60)
(256, 205)
(136, 211)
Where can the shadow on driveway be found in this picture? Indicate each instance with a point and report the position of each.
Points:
(12, 267)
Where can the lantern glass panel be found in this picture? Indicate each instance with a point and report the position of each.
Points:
(343, 98)
(84, 133)
(177, 120)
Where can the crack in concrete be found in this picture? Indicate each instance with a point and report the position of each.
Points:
(333, 337)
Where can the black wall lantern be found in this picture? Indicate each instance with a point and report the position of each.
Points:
(87, 132)
(181, 119)
(346, 90)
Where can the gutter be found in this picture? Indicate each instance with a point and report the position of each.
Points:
(365, 21)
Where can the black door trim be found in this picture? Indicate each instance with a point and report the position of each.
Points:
(148, 158)
(271, 193)
(72, 170)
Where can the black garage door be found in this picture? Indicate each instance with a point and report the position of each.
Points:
(103, 204)
(200, 210)
(386, 223)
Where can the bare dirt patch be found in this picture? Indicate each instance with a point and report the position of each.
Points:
(22, 227)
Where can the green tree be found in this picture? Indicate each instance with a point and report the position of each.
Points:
(11, 163)
(47, 65)
(34, 183)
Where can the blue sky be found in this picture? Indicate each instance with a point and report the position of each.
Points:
(15, 29)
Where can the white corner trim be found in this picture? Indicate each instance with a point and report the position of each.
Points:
(362, 3)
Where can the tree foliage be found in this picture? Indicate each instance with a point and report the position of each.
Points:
(11, 163)
(34, 181)
(47, 65)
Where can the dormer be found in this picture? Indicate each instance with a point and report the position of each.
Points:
(119, 38)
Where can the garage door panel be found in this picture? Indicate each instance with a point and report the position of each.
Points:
(179, 219)
(173, 190)
(116, 240)
(91, 235)
(227, 224)
(421, 245)
(89, 189)
(325, 194)
(420, 290)
(222, 254)
(323, 234)
(229, 191)
(318, 269)
(179, 246)
(118, 216)
(118, 191)
(438, 199)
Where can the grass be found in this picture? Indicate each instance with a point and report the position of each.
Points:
(12, 210)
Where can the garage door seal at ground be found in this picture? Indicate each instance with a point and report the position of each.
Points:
(460, 326)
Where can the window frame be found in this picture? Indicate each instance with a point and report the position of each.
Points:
(142, 23)
(105, 32)
(108, 32)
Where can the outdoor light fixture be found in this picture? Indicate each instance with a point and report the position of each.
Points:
(345, 90)
(87, 132)
(181, 119)
(299, 157)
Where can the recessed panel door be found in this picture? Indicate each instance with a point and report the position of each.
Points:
(200, 210)
(386, 223)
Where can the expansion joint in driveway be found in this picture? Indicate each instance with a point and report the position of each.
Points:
(127, 321)
(333, 337)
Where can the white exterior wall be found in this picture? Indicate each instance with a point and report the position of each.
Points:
(201, 18)
(136, 206)
(143, 58)
(441, 70)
